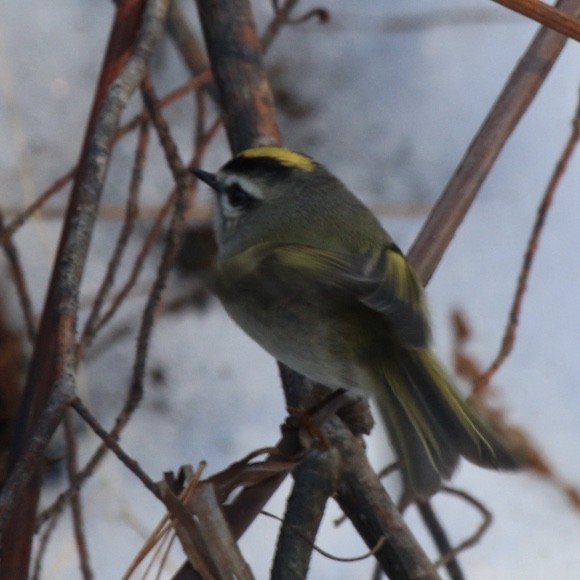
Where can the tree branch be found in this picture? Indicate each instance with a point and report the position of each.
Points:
(545, 14)
(316, 479)
(246, 101)
(518, 93)
(137, 28)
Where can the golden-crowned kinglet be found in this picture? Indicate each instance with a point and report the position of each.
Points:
(309, 273)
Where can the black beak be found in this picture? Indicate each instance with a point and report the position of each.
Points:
(206, 177)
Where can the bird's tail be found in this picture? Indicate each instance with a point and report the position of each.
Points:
(430, 426)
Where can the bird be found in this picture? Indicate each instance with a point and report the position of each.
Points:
(309, 273)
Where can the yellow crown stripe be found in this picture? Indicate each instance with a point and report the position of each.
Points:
(282, 155)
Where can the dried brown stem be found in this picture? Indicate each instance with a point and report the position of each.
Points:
(191, 539)
(509, 336)
(112, 444)
(518, 93)
(281, 15)
(545, 14)
(207, 538)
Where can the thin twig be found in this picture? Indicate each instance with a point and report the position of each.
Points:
(281, 16)
(19, 281)
(138, 264)
(183, 180)
(509, 336)
(131, 215)
(439, 536)
(126, 411)
(154, 234)
(112, 444)
(298, 531)
(20, 219)
(476, 536)
(75, 503)
(43, 542)
(202, 80)
(193, 84)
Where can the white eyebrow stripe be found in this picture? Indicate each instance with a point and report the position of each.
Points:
(246, 184)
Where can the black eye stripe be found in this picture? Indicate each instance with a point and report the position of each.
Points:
(236, 195)
(239, 197)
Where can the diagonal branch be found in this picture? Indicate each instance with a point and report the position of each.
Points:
(515, 98)
(545, 14)
(136, 30)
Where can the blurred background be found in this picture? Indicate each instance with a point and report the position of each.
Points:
(388, 97)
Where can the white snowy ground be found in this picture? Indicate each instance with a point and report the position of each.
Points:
(392, 115)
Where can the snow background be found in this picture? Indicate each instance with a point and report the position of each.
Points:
(391, 115)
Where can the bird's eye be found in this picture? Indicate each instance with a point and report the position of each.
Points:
(238, 197)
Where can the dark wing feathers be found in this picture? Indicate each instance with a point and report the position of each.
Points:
(381, 280)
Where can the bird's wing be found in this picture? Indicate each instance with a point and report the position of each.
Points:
(382, 280)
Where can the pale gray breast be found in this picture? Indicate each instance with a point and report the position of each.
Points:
(295, 324)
